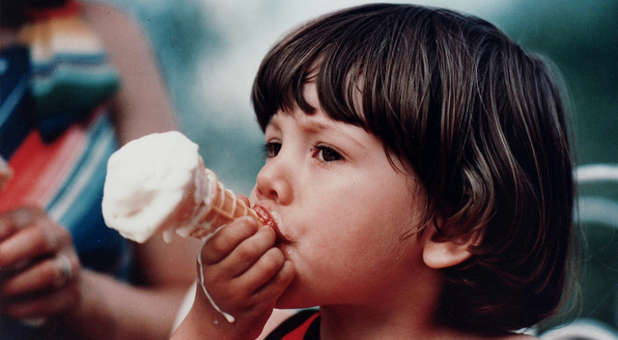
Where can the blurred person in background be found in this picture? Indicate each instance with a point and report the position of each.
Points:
(77, 80)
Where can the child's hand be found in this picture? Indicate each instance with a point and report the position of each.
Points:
(245, 274)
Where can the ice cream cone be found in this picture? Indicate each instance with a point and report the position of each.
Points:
(221, 206)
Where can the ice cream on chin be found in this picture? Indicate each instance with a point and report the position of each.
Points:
(158, 184)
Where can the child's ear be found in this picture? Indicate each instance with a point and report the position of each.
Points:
(448, 253)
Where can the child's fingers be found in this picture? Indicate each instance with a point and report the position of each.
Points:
(230, 236)
(248, 252)
(266, 267)
(273, 289)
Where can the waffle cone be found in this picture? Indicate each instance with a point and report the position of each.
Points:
(221, 207)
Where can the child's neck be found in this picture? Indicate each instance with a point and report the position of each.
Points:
(370, 323)
(404, 312)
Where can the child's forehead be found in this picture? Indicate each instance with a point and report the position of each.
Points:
(319, 122)
(316, 120)
(310, 93)
(310, 122)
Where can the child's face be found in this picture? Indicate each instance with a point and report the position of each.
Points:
(343, 208)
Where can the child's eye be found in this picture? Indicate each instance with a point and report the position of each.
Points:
(326, 154)
(271, 149)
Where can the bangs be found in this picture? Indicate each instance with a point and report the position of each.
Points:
(326, 51)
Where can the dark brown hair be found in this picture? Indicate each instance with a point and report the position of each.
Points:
(480, 121)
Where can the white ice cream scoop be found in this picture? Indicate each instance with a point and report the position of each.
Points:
(158, 183)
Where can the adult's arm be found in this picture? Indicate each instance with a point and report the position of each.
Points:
(110, 309)
(142, 105)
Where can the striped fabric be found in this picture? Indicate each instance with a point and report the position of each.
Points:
(304, 325)
(70, 73)
(55, 131)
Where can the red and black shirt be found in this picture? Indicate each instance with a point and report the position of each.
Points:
(304, 325)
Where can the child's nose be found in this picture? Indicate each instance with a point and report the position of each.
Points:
(273, 182)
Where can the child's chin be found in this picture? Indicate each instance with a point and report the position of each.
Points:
(292, 298)
(286, 302)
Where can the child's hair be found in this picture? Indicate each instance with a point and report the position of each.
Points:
(482, 125)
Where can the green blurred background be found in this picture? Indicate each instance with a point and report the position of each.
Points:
(208, 51)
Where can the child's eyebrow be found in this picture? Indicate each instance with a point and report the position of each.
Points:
(272, 124)
(316, 126)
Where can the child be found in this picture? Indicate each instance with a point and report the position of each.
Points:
(419, 163)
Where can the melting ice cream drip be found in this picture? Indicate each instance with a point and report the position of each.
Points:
(228, 317)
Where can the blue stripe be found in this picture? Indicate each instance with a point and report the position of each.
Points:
(79, 205)
(18, 93)
(49, 65)
(96, 131)
(74, 77)
(89, 196)
(14, 124)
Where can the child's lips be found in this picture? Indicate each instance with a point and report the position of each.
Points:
(271, 218)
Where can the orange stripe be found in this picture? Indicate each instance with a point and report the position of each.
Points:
(58, 169)
(39, 169)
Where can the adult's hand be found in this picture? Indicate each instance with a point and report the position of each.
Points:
(39, 269)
